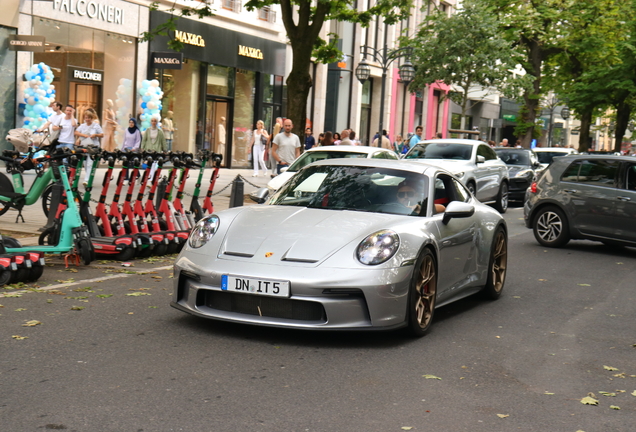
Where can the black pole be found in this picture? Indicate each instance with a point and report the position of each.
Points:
(237, 194)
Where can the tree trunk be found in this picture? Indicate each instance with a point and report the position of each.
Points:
(531, 98)
(586, 122)
(298, 85)
(623, 113)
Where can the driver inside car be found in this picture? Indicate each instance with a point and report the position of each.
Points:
(409, 195)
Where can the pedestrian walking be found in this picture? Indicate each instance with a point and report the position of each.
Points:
(89, 133)
(270, 144)
(260, 137)
(286, 146)
(153, 140)
(417, 137)
(310, 141)
(66, 139)
(345, 138)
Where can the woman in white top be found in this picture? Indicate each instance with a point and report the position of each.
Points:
(67, 128)
(89, 133)
(259, 140)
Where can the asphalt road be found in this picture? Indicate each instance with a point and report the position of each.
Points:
(128, 361)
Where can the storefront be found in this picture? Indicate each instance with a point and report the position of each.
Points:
(8, 29)
(91, 47)
(225, 82)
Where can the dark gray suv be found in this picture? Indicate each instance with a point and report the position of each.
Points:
(584, 197)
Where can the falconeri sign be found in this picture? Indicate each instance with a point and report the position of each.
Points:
(254, 53)
(189, 38)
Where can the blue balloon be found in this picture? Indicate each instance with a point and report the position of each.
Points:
(28, 75)
(143, 105)
(26, 122)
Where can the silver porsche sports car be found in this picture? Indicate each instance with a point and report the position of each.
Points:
(345, 245)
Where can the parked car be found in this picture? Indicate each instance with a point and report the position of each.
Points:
(345, 244)
(330, 152)
(473, 162)
(547, 154)
(523, 167)
(584, 197)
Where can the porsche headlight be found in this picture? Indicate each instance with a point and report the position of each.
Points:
(378, 247)
(203, 231)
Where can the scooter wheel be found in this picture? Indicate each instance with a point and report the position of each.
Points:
(46, 200)
(145, 252)
(5, 277)
(10, 242)
(160, 249)
(85, 251)
(173, 248)
(125, 255)
(22, 275)
(4, 207)
(35, 273)
(46, 238)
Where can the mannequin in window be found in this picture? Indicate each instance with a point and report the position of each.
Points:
(109, 124)
(220, 148)
(167, 124)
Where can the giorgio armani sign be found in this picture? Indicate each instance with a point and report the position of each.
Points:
(167, 60)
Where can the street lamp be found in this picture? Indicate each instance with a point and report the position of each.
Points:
(385, 57)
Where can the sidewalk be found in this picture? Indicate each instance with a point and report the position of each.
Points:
(34, 217)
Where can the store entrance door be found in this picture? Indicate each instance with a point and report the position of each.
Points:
(216, 130)
(83, 96)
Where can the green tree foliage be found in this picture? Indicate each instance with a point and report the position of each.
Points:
(590, 73)
(462, 50)
(303, 20)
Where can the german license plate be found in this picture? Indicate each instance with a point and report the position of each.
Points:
(264, 287)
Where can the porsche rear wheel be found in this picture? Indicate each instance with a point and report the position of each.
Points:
(423, 294)
(497, 266)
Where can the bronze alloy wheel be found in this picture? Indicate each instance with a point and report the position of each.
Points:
(499, 262)
(497, 266)
(423, 294)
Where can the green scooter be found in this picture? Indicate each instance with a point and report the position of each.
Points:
(69, 235)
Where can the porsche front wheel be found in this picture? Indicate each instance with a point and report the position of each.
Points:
(497, 266)
(422, 295)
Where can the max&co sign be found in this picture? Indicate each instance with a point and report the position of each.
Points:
(167, 60)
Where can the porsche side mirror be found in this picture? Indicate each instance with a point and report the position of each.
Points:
(457, 209)
(259, 196)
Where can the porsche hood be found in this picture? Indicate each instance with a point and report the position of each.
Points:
(269, 234)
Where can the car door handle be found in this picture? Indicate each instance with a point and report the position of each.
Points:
(623, 198)
(570, 191)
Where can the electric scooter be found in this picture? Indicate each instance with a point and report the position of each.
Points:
(208, 205)
(120, 247)
(68, 235)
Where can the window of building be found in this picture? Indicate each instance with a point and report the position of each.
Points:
(233, 5)
(267, 14)
(7, 85)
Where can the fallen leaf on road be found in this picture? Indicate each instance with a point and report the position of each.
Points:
(104, 295)
(85, 289)
(72, 270)
(610, 394)
(20, 309)
(157, 277)
(619, 375)
(431, 377)
(633, 393)
(76, 298)
(18, 337)
(614, 407)
(407, 427)
(31, 323)
(619, 263)
(503, 415)
(12, 295)
(71, 280)
(137, 294)
(77, 307)
(610, 368)
(548, 393)
(584, 285)
(589, 401)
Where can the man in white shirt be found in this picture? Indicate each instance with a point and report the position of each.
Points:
(53, 122)
(286, 146)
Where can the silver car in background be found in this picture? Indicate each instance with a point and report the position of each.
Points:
(356, 244)
(475, 163)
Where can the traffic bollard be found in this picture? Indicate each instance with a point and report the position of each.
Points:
(236, 196)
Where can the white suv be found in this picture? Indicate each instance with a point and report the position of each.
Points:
(473, 162)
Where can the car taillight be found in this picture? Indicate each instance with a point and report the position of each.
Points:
(533, 187)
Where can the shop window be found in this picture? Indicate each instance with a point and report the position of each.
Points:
(220, 81)
(243, 123)
(7, 86)
(69, 45)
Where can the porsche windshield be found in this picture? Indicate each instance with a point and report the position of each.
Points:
(369, 189)
(440, 150)
(313, 156)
